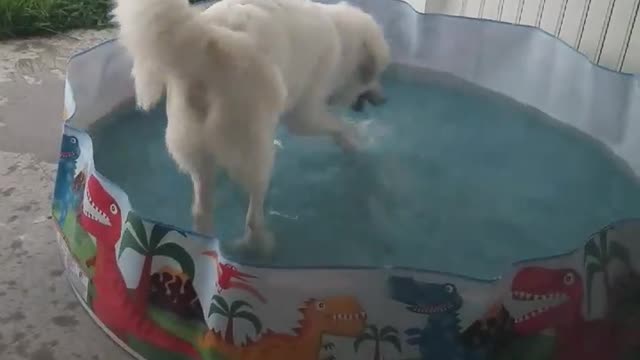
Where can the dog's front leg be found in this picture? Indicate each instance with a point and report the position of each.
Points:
(346, 138)
(313, 119)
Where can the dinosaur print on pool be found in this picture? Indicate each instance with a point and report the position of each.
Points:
(555, 297)
(334, 316)
(173, 290)
(440, 338)
(227, 274)
(102, 218)
(64, 196)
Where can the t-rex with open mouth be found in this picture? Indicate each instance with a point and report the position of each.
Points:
(101, 217)
(440, 338)
(552, 300)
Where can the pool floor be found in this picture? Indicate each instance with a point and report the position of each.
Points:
(448, 180)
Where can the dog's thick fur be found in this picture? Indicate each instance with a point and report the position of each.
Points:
(230, 73)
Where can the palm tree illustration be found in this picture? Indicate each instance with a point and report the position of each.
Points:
(135, 238)
(327, 351)
(387, 334)
(599, 253)
(231, 312)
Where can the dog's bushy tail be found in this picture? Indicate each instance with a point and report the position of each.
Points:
(166, 37)
(161, 32)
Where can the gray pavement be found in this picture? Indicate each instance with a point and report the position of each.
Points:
(40, 318)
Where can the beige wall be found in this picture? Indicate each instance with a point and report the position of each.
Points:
(606, 31)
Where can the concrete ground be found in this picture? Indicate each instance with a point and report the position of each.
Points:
(40, 318)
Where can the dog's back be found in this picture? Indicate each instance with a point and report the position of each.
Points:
(291, 34)
(169, 38)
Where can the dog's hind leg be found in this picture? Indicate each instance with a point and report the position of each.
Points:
(187, 148)
(255, 178)
(201, 169)
(149, 85)
(256, 234)
(203, 181)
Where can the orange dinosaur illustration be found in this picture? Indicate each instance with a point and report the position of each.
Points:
(226, 274)
(336, 316)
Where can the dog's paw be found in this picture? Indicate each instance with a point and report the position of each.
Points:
(348, 139)
(202, 222)
(253, 242)
(372, 132)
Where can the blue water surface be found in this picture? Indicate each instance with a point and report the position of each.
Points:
(448, 179)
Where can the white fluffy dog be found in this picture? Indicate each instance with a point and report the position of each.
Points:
(230, 73)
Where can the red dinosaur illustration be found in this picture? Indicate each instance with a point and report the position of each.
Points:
(101, 217)
(226, 274)
(78, 182)
(557, 295)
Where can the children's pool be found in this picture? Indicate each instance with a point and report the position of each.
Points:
(449, 179)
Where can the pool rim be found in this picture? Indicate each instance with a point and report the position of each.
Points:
(69, 117)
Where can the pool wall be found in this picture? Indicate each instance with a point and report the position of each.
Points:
(607, 32)
(162, 292)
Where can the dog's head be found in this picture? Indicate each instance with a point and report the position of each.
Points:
(365, 55)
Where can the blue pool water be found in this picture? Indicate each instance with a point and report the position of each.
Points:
(449, 180)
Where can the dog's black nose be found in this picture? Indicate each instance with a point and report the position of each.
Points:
(376, 99)
(358, 106)
(372, 97)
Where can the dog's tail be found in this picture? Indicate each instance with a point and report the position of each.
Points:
(167, 36)
(160, 32)
(171, 38)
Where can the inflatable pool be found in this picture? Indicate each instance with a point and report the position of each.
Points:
(490, 214)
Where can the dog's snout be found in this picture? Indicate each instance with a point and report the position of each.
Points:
(373, 97)
(358, 106)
